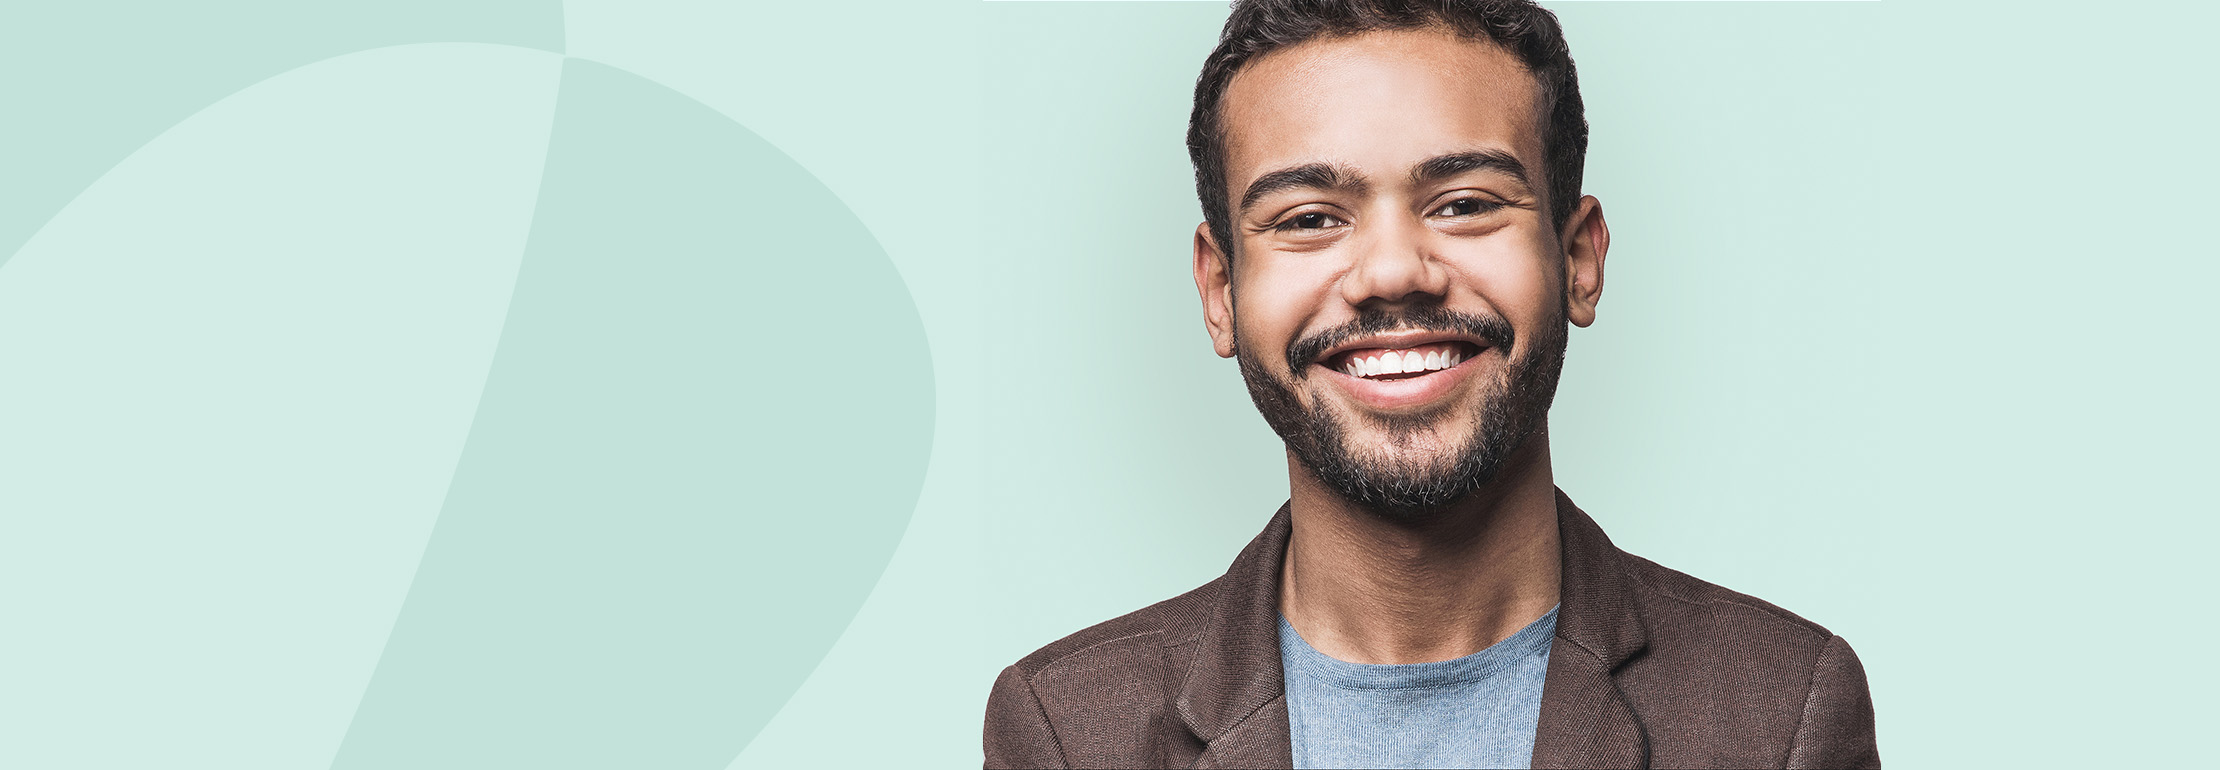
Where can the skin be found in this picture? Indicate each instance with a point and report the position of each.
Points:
(1359, 586)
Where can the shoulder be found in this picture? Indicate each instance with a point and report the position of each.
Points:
(1728, 678)
(1673, 600)
(1099, 696)
(1171, 622)
(1697, 630)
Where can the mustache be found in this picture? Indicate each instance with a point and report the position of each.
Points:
(1491, 329)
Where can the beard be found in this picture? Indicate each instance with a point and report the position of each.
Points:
(1396, 477)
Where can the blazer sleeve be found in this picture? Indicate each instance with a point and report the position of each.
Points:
(1837, 726)
(1018, 734)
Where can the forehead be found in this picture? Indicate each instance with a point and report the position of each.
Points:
(1380, 102)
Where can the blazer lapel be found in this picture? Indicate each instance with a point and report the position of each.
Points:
(1232, 700)
(1585, 720)
(1232, 697)
(1258, 741)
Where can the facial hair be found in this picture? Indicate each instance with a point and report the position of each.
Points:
(1513, 406)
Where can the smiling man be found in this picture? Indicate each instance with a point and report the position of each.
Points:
(1394, 247)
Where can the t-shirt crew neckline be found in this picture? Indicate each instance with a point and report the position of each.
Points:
(1302, 659)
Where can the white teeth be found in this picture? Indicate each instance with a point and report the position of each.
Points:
(1403, 362)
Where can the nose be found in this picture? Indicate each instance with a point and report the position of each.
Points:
(1393, 266)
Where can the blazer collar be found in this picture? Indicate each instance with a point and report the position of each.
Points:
(1235, 673)
(1586, 721)
(1233, 700)
(1597, 598)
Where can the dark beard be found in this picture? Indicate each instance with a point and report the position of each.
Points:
(1514, 406)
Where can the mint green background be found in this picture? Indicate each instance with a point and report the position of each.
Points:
(703, 385)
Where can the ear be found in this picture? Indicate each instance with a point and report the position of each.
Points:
(1586, 239)
(1214, 281)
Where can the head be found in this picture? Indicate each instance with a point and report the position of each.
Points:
(1394, 240)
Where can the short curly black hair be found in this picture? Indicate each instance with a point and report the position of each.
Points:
(1525, 30)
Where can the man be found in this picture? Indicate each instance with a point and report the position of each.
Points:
(1393, 248)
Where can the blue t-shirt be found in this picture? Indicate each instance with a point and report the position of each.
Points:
(1475, 711)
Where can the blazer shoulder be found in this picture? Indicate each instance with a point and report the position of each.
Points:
(1675, 590)
(1730, 680)
(1163, 624)
(1101, 697)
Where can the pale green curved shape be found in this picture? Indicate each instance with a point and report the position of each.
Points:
(86, 84)
(239, 370)
(702, 437)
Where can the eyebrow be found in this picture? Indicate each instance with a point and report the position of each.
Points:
(1315, 176)
(1442, 167)
(1327, 176)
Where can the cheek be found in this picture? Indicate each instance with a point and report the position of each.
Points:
(1275, 297)
(1518, 280)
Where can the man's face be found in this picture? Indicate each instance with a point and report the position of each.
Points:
(1398, 297)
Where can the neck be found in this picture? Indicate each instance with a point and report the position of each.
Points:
(1363, 588)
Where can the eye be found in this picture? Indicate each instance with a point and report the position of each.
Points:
(1465, 207)
(1309, 220)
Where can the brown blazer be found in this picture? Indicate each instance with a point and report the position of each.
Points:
(1650, 668)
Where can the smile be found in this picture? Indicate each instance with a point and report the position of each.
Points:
(1404, 371)
(1401, 363)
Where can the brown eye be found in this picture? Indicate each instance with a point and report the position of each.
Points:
(1465, 207)
(1310, 220)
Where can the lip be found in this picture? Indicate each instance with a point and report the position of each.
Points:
(1404, 394)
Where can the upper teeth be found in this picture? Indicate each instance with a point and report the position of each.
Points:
(1401, 362)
